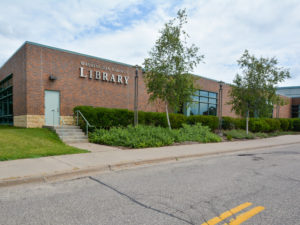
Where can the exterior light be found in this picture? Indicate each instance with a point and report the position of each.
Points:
(52, 77)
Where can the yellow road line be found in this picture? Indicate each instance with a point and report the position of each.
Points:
(247, 215)
(227, 214)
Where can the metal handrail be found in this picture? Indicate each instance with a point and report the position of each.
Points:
(86, 121)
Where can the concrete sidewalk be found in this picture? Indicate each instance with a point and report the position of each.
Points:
(104, 158)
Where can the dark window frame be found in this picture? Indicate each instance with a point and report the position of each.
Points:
(6, 100)
(201, 95)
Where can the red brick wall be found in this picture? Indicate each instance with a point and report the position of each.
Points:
(285, 110)
(16, 66)
(75, 90)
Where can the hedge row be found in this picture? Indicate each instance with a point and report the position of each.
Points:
(108, 117)
(262, 124)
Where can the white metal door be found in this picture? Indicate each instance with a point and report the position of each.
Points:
(52, 109)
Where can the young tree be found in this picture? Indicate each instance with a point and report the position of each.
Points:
(254, 93)
(167, 69)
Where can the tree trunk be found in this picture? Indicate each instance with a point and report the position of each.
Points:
(247, 122)
(167, 113)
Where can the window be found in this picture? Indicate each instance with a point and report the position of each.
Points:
(6, 101)
(203, 103)
(295, 111)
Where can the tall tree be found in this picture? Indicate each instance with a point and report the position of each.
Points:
(168, 68)
(253, 93)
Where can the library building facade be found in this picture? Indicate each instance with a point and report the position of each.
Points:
(40, 85)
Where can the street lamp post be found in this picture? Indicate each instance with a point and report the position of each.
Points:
(136, 95)
(221, 83)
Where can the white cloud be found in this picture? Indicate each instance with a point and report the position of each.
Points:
(126, 30)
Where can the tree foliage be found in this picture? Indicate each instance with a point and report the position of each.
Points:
(254, 92)
(168, 68)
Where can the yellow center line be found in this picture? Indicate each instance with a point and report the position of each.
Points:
(227, 214)
(247, 215)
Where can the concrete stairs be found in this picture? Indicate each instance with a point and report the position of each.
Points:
(69, 134)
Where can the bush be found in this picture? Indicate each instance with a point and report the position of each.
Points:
(258, 125)
(229, 137)
(273, 123)
(107, 118)
(284, 124)
(296, 124)
(228, 123)
(197, 132)
(211, 121)
(133, 137)
(149, 136)
(177, 120)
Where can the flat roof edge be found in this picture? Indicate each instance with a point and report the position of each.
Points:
(76, 53)
(288, 87)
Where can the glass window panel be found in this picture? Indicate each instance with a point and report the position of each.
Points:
(195, 98)
(213, 100)
(212, 95)
(203, 99)
(212, 109)
(197, 92)
(203, 109)
(194, 108)
(204, 93)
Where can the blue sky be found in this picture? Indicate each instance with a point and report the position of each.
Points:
(125, 31)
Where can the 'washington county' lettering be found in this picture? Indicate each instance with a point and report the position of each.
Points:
(104, 76)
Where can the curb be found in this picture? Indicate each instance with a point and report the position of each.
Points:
(68, 175)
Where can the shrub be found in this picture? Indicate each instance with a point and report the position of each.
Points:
(258, 125)
(197, 132)
(149, 136)
(228, 123)
(133, 137)
(229, 137)
(211, 121)
(296, 124)
(284, 124)
(107, 118)
(177, 120)
(273, 123)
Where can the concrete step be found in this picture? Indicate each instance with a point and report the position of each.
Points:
(71, 131)
(70, 134)
(75, 135)
(66, 127)
(75, 140)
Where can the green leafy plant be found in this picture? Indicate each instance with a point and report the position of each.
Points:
(143, 136)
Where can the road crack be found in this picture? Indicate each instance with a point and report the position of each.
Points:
(140, 203)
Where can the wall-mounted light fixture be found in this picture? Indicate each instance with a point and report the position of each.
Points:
(52, 77)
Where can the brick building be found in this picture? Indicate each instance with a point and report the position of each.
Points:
(40, 85)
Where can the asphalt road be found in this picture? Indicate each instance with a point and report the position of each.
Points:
(253, 187)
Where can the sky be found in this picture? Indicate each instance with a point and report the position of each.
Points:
(125, 31)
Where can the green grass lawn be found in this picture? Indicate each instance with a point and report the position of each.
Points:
(19, 143)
